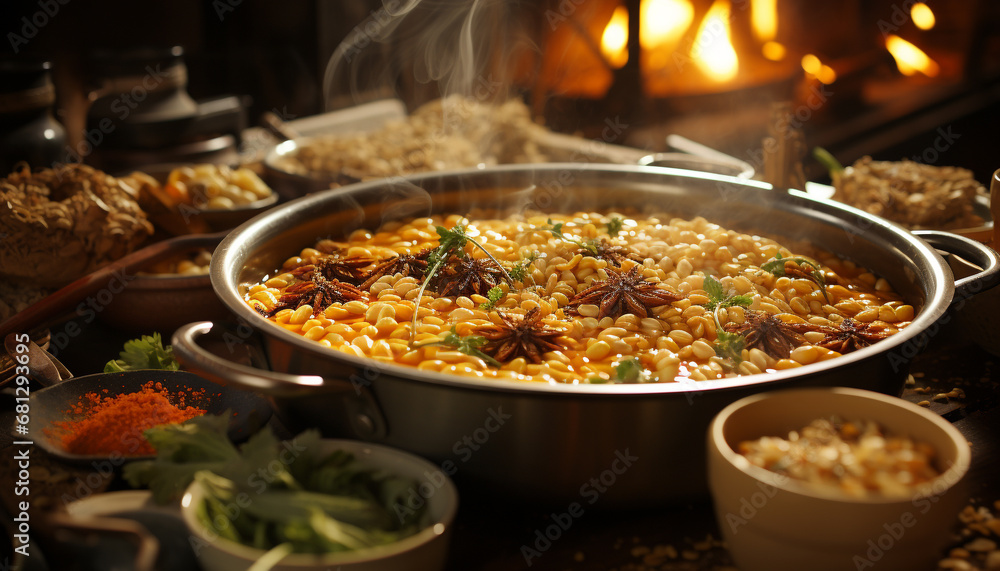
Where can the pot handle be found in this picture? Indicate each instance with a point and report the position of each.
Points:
(197, 359)
(979, 254)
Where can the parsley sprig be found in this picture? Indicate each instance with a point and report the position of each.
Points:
(729, 345)
(450, 243)
(776, 267)
(469, 344)
(615, 225)
(555, 229)
(627, 371)
(492, 298)
(147, 352)
(718, 298)
(519, 272)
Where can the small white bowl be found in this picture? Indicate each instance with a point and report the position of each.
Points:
(424, 551)
(772, 522)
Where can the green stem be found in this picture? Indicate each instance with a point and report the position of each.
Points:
(510, 280)
(420, 293)
(826, 159)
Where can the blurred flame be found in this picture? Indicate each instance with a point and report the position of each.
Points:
(827, 75)
(713, 51)
(663, 22)
(774, 51)
(812, 65)
(764, 18)
(614, 40)
(923, 16)
(909, 58)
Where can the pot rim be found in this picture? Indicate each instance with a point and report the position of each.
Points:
(224, 275)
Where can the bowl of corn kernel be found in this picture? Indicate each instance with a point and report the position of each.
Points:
(203, 198)
(835, 478)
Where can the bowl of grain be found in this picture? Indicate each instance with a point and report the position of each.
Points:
(835, 478)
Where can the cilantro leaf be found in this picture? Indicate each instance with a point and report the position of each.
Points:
(615, 225)
(493, 296)
(718, 298)
(556, 230)
(776, 267)
(146, 352)
(730, 346)
(470, 345)
(519, 272)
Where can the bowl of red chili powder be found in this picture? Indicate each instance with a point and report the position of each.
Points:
(104, 416)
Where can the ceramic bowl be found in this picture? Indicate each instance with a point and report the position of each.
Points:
(424, 551)
(770, 521)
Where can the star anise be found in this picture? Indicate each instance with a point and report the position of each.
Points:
(466, 276)
(612, 253)
(347, 270)
(519, 336)
(770, 334)
(318, 292)
(623, 292)
(407, 264)
(850, 336)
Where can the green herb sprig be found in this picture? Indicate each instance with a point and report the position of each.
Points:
(729, 345)
(615, 225)
(493, 296)
(469, 344)
(556, 230)
(718, 298)
(310, 501)
(776, 267)
(519, 271)
(627, 371)
(147, 352)
(450, 243)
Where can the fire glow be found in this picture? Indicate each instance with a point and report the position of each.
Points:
(713, 50)
(614, 40)
(909, 58)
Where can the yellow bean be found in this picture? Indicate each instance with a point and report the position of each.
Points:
(598, 350)
(301, 315)
(805, 354)
(681, 337)
(702, 350)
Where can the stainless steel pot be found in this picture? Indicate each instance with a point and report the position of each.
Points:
(620, 445)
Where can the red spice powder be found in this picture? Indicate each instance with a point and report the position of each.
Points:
(116, 423)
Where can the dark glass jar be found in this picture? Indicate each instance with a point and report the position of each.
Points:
(28, 130)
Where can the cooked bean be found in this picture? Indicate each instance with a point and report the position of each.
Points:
(678, 255)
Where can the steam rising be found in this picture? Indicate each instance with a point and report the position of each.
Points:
(450, 43)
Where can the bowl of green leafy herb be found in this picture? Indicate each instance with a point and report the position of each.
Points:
(304, 504)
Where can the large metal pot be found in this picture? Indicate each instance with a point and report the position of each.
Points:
(621, 445)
